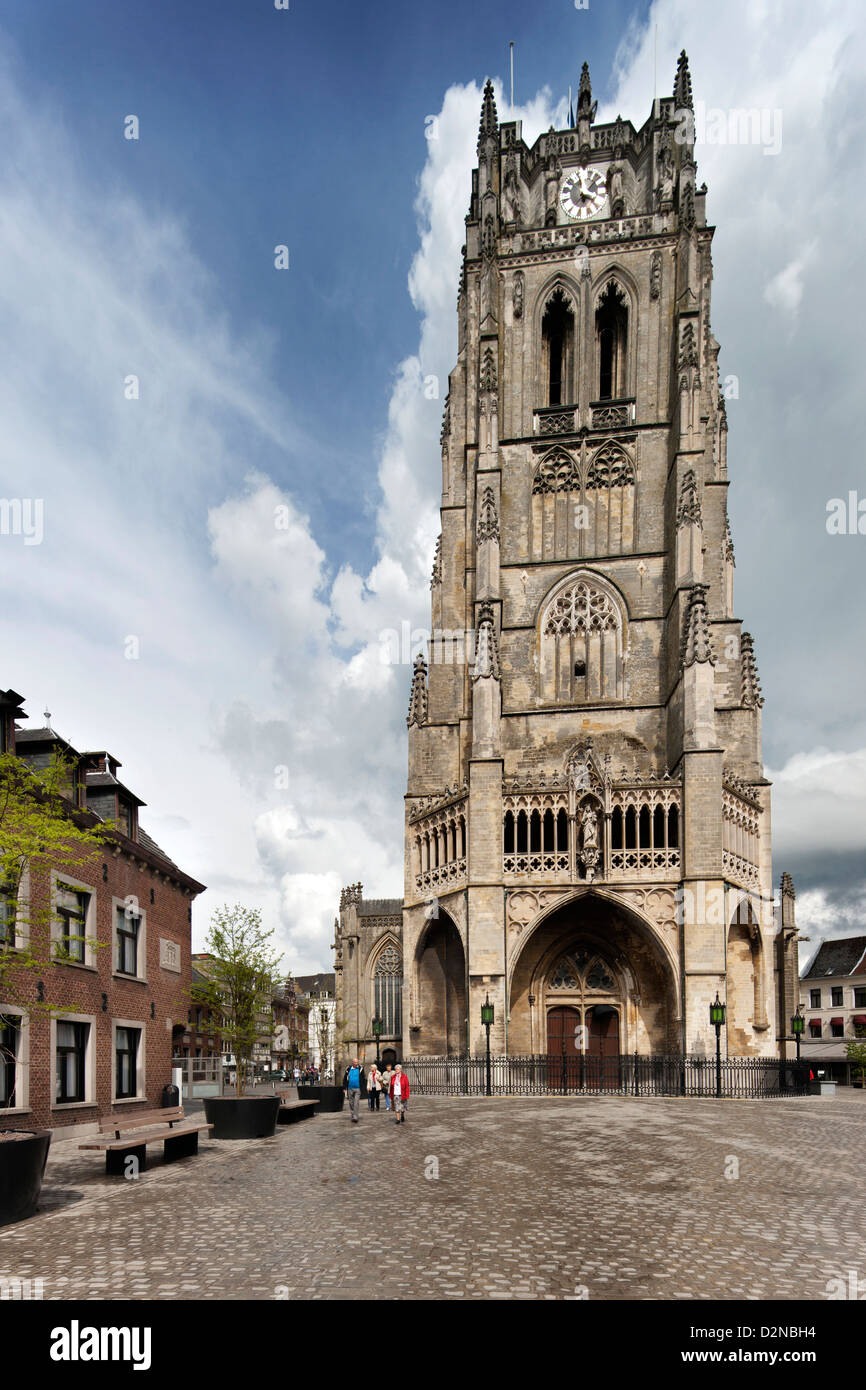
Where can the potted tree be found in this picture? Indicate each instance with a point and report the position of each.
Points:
(42, 822)
(241, 976)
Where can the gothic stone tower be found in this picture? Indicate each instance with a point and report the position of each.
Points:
(587, 818)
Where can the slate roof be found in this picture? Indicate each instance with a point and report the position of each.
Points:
(107, 779)
(840, 957)
(317, 984)
(145, 839)
(380, 907)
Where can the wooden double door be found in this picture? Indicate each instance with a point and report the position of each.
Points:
(583, 1052)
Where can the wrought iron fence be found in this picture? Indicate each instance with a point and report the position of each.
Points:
(628, 1074)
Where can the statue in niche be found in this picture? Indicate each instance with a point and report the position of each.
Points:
(615, 190)
(665, 189)
(589, 827)
(552, 176)
(589, 853)
(510, 193)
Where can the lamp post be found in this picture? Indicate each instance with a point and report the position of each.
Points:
(377, 1033)
(798, 1027)
(717, 1018)
(323, 1041)
(487, 1020)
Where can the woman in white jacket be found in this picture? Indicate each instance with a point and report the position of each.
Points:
(374, 1087)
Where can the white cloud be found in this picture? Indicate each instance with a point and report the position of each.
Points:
(819, 802)
(785, 290)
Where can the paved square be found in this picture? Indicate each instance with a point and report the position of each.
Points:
(535, 1198)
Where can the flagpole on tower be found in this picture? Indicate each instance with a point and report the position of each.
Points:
(511, 58)
(655, 67)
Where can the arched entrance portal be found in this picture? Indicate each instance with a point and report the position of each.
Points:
(583, 1035)
(605, 963)
(441, 991)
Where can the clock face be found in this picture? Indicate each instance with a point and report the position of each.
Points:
(583, 194)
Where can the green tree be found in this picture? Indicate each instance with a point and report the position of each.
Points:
(241, 977)
(43, 829)
(857, 1057)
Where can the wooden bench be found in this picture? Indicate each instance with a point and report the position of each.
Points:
(129, 1135)
(291, 1111)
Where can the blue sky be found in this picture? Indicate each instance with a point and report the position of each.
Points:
(302, 390)
(304, 127)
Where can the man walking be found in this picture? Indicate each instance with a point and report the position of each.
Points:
(399, 1094)
(353, 1081)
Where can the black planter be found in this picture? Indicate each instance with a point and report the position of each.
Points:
(244, 1117)
(330, 1098)
(22, 1164)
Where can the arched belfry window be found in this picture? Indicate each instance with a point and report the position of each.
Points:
(388, 991)
(611, 331)
(557, 349)
(582, 643)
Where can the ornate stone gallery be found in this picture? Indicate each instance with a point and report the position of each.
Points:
(587, 820)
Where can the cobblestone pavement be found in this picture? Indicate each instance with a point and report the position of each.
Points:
(537, 1198)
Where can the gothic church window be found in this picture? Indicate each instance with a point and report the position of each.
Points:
(388, 991)
(557, 349)
(611, 328)
(581, 641)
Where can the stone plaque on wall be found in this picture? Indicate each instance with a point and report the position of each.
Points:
(169, 954)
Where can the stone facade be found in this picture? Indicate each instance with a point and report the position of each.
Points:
(369, 977)
(587, 833)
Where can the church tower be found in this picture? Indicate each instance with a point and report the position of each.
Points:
(587, 830)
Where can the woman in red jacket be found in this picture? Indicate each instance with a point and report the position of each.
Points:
(399, 1094)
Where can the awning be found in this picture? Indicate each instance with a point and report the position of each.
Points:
(836, 1021)
(859, 1018)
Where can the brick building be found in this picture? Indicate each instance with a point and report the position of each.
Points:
(587, 819)
(291, 1025)
(125, 918)
(833, 1002)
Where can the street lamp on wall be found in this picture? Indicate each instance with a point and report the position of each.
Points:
(717, 1019)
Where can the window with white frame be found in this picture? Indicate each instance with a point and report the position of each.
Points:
(129, 938)
(13, 1059)
(71, 1049)
(127, 942)
(8, 912)
(127, 1061)
(71, 907)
